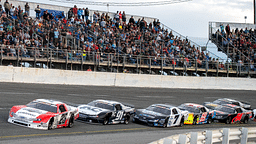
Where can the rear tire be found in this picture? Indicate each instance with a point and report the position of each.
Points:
(228, 120)
(182, 122)
(71, 121)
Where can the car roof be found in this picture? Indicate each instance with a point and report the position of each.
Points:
(53, 102)
(164, 105)
(107, 101)
(232, 105)
(193, 105)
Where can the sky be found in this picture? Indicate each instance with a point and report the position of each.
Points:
(188, 18)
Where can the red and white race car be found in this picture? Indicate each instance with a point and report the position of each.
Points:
(43, 114)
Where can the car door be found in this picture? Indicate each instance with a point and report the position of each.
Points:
(63, 113)
(239, 115)
(203, 114)
(119, 113)
(174, 118)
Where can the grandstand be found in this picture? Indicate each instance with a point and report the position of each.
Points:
(115, 42)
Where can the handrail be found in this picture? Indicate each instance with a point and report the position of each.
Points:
(220, 135)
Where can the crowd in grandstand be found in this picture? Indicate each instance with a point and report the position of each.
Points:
(241, 43)
(80, 36)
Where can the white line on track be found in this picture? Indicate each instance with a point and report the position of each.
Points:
(211, 97)
(16, 93)
(76, 95)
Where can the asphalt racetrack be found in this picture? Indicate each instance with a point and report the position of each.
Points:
(20, 94)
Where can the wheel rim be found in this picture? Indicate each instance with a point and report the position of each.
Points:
(105, 121)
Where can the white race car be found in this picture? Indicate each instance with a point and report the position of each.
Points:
(162, 115)
(106, 112)
(43, 114)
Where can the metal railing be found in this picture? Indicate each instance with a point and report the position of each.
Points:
(120, 62)
(208, 137)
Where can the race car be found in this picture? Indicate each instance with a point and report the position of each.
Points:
(43, 114)
(106, 112)
(221, 101)
(162, 115)
(210, 106)
(229, 113)
(198, 114)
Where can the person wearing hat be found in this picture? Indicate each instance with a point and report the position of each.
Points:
(38, 11)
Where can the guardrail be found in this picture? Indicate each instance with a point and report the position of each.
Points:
(211, 136)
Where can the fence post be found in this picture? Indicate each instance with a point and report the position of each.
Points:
(137, 65)
(1, 55)
(124, 58)
(82, 61)
(34, 57)
(193, 139)
(51, 59)
(18, 56)
(225, 136)
(208, 137)
(244, 135)
(67, 60)
(168, 141)
(182, 139)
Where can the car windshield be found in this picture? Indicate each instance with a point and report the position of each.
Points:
(43, 106)
(159, 109)
(101, 104)
(190, 109)
(225, 109)
(220, 102)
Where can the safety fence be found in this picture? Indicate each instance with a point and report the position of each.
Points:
(224, 136)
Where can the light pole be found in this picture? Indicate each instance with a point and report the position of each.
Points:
(245, 17)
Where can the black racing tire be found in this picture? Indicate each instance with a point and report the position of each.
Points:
(105, 121)
(195, 120)
(50, 123)
(165, 122)
(127, 119)
(71, 121)
(182, 122)
(228, 120)
(246, 120)
(209, 121)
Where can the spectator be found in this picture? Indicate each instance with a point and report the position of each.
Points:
(38, 11)
(79, 13)
(7, 7)
(27, 8)
(86, 13)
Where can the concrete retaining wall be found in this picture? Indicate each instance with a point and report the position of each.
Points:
(52, 76)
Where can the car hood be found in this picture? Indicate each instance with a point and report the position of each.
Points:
(149, 114)
(29, 113)
(91, 110)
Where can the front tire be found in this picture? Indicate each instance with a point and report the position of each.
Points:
(105, 121)
(209, 121)
(182, 122)
(245, 120)
(50, 123)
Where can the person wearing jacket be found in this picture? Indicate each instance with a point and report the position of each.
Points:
(79, 13)
(38, 11)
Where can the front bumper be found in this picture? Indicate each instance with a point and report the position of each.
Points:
(42, 126)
